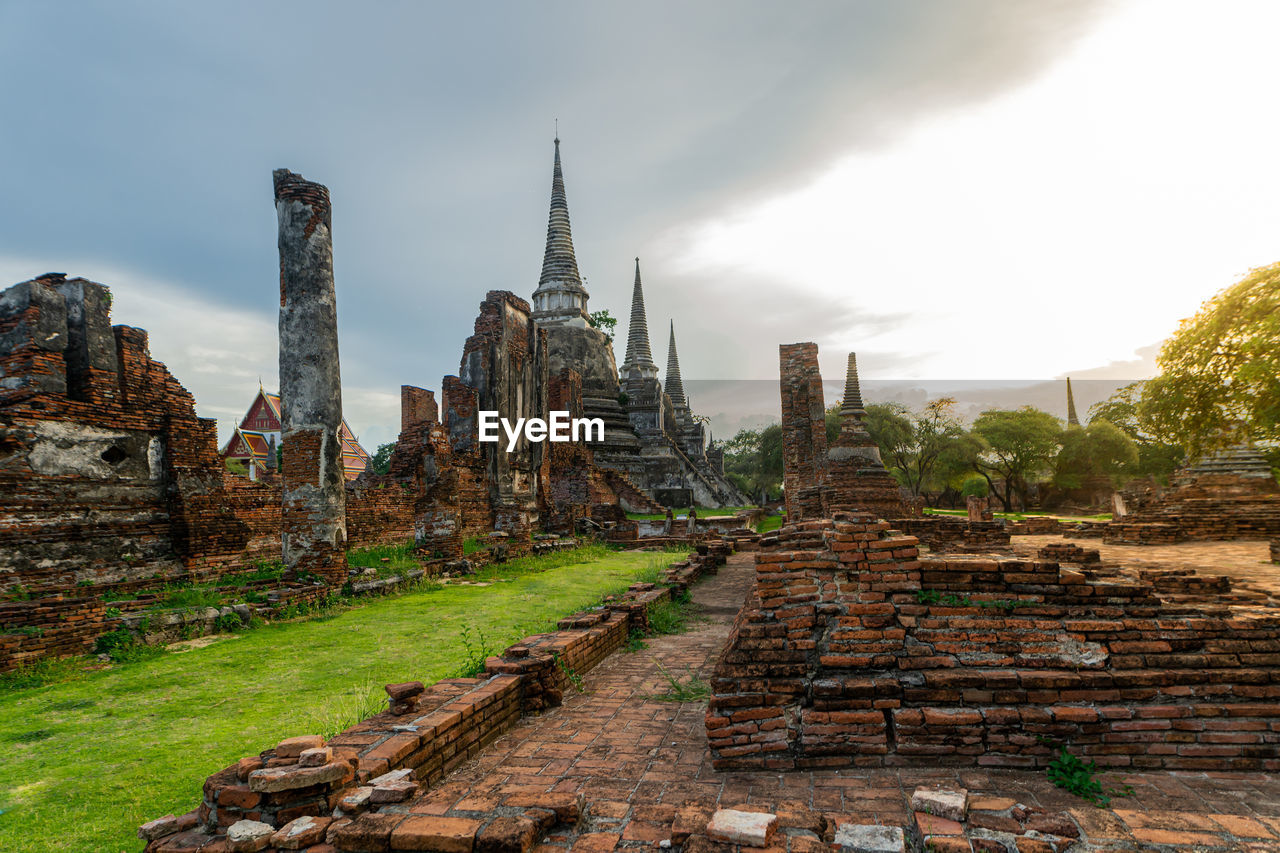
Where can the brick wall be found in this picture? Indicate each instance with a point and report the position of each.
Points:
(852, 651)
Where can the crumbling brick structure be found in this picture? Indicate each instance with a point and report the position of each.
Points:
(804, 432)
(314, 498)
(852, 651)
(1210, 505)
(467, 488)
(111, 482)
(849, 475)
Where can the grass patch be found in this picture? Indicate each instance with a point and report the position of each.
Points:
(771, 522)
(691, 689)
(152, 731)
(187, 596)
(399, 558)
(1073, 774)
(673, 616)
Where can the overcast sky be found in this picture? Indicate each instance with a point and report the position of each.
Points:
(955, 190)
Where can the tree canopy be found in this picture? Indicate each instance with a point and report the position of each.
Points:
(1099, 451)
(1017, 448)
(381, 461)
(1219, 379)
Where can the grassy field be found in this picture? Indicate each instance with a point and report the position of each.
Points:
(88, 759)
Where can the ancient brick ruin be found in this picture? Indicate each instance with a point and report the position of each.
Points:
(651, 436)
(1229, 495)
(114, 487)
(854, 650)
(818, 479)
(313, 506)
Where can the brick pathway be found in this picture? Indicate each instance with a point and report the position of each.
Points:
(636, 760)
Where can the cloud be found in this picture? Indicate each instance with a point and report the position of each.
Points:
(431, 125)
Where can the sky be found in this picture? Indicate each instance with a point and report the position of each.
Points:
(958, 190)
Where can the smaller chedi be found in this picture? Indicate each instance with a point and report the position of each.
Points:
(255, 443)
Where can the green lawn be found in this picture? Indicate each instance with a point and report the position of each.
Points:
(85, 761)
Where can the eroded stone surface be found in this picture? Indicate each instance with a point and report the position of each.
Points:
(953, 805)
(273, 779)
(865, 838)
(248, 836)
(752, 829)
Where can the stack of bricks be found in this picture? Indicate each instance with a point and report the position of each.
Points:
(804, 435)
(1211, 506)
(1035, 525)
(342, 785)
(1143, 533)
(940, 533)
(970, 661)
(1069, 552)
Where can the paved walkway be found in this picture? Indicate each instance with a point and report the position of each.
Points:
(636, 760)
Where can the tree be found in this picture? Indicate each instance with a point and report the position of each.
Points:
(604, 321)
(1100, 450)
(753, 460)
(381, 461)
(1124, 410)
(913, 445)
(1219, 380)
(891, 427)
(953, 469)
(1018, 445)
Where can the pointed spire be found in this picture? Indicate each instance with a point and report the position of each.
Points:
(558, 262)
(1072, 418)
(851, 406)
(674, 385)
(854, 442)
(560, 296)
(638, 352)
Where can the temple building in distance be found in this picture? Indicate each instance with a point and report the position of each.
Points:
(255, 443)
(651, 434)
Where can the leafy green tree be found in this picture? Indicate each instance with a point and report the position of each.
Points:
(604, 321)
(1124, 410)
(974, 485)
(381, 461)
(890, 425)
(1018, 447)
(753, 460)
(952, 469)
(915, 446)
(1219, 379)
(1100, 450)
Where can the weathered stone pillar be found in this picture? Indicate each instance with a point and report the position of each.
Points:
(975, 506)
(313, 483)
(804, 431)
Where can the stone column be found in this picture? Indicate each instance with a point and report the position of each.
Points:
(313, 482)
(804, 431)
